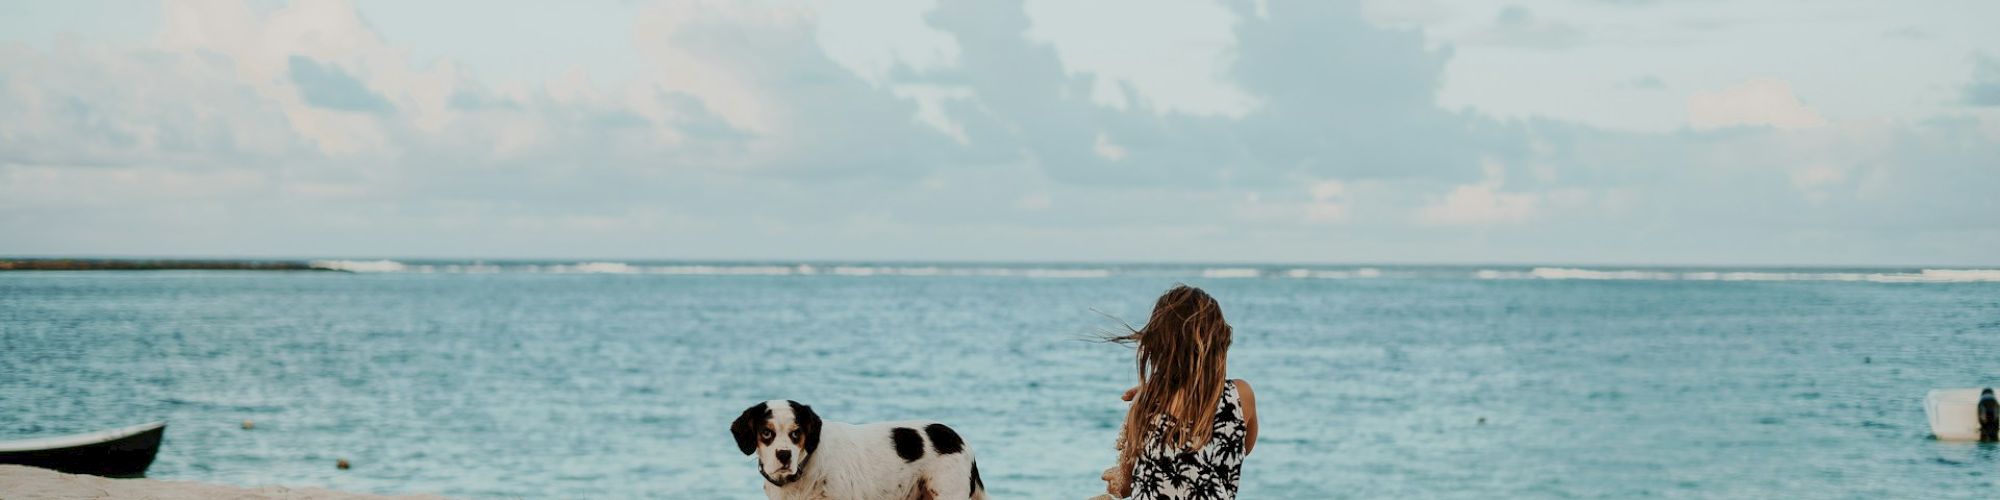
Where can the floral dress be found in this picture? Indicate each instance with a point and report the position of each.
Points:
(1210, 473)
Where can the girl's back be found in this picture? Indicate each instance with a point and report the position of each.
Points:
(1164, 471)
(1191, 424)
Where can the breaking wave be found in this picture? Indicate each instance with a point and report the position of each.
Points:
(1162, 271)
(1330, 274)
(360, 266)
(1232, 272)
(1922, 276)
(390, 266)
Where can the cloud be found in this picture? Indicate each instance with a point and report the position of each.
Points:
(1645, 82)
(1107, 149)
(1329, 202)
(1481, 203)
(301, 131)
(329, 87)
(80, 105)
(1813, 179)
(763, 72)
(1345, 99)
(1984, 89)
(1318, 118)
(1516, 26)
(1908, 33)
(1403, 13)
(1758, 102)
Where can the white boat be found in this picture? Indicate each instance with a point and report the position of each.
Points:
(1954, 413)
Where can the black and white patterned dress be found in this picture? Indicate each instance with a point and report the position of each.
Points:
(1210, 473)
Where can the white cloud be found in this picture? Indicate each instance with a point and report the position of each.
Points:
(1035, 201)
(1132, 66)
(1106, 149)
(1984, 89)
(124, 188)
(1815, 179)
(1405, 13)
(1516, 26)
(670, 36)
(264, 50)
(1762, 101)
(741, 134)
(1329, 202)
(1481, 203)
(1328, 190)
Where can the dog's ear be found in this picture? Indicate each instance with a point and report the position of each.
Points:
(745, 427)
(808, 424)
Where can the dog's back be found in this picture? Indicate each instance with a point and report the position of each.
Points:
(885, 459)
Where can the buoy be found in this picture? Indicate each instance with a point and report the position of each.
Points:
(1482, 420)
(247, 425)
(1867, 360)
(341, 464)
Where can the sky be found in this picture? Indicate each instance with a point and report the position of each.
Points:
(1641, 132)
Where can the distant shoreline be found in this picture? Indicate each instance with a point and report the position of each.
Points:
(154, 265)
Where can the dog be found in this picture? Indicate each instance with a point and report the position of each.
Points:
(804, 458)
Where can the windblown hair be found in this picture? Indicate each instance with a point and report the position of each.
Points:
(1183, 354)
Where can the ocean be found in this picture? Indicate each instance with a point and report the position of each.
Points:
(619, 379)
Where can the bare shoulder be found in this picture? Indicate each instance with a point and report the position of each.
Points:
(1243, 391)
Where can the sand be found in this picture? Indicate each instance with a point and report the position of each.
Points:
(27, 483)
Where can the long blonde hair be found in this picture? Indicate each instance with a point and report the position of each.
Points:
(1183, 354)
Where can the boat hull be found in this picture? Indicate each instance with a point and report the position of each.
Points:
(121, 453)
(1953, 413)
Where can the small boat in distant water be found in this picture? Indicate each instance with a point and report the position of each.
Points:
(123, 452)
(1954, 413)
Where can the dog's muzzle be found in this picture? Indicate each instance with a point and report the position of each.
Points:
(784, 477)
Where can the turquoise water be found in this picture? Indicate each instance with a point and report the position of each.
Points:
(601, 381)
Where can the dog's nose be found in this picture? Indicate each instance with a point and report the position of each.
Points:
(784, 457)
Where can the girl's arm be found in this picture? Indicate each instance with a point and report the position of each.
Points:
(1118, 478)
(1249, 402)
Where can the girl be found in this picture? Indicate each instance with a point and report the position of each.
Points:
(1189, 426)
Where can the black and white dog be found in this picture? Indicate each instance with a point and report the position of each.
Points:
(804, 458)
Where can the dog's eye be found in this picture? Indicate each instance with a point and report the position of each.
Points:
(795, 435)
(765, 434)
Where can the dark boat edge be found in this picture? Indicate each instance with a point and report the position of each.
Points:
(119, 453)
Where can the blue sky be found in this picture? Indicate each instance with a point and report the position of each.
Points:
(1580, 131)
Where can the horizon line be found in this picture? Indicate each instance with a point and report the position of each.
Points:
(838, 261)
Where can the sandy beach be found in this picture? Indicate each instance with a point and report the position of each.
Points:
(29, 483)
